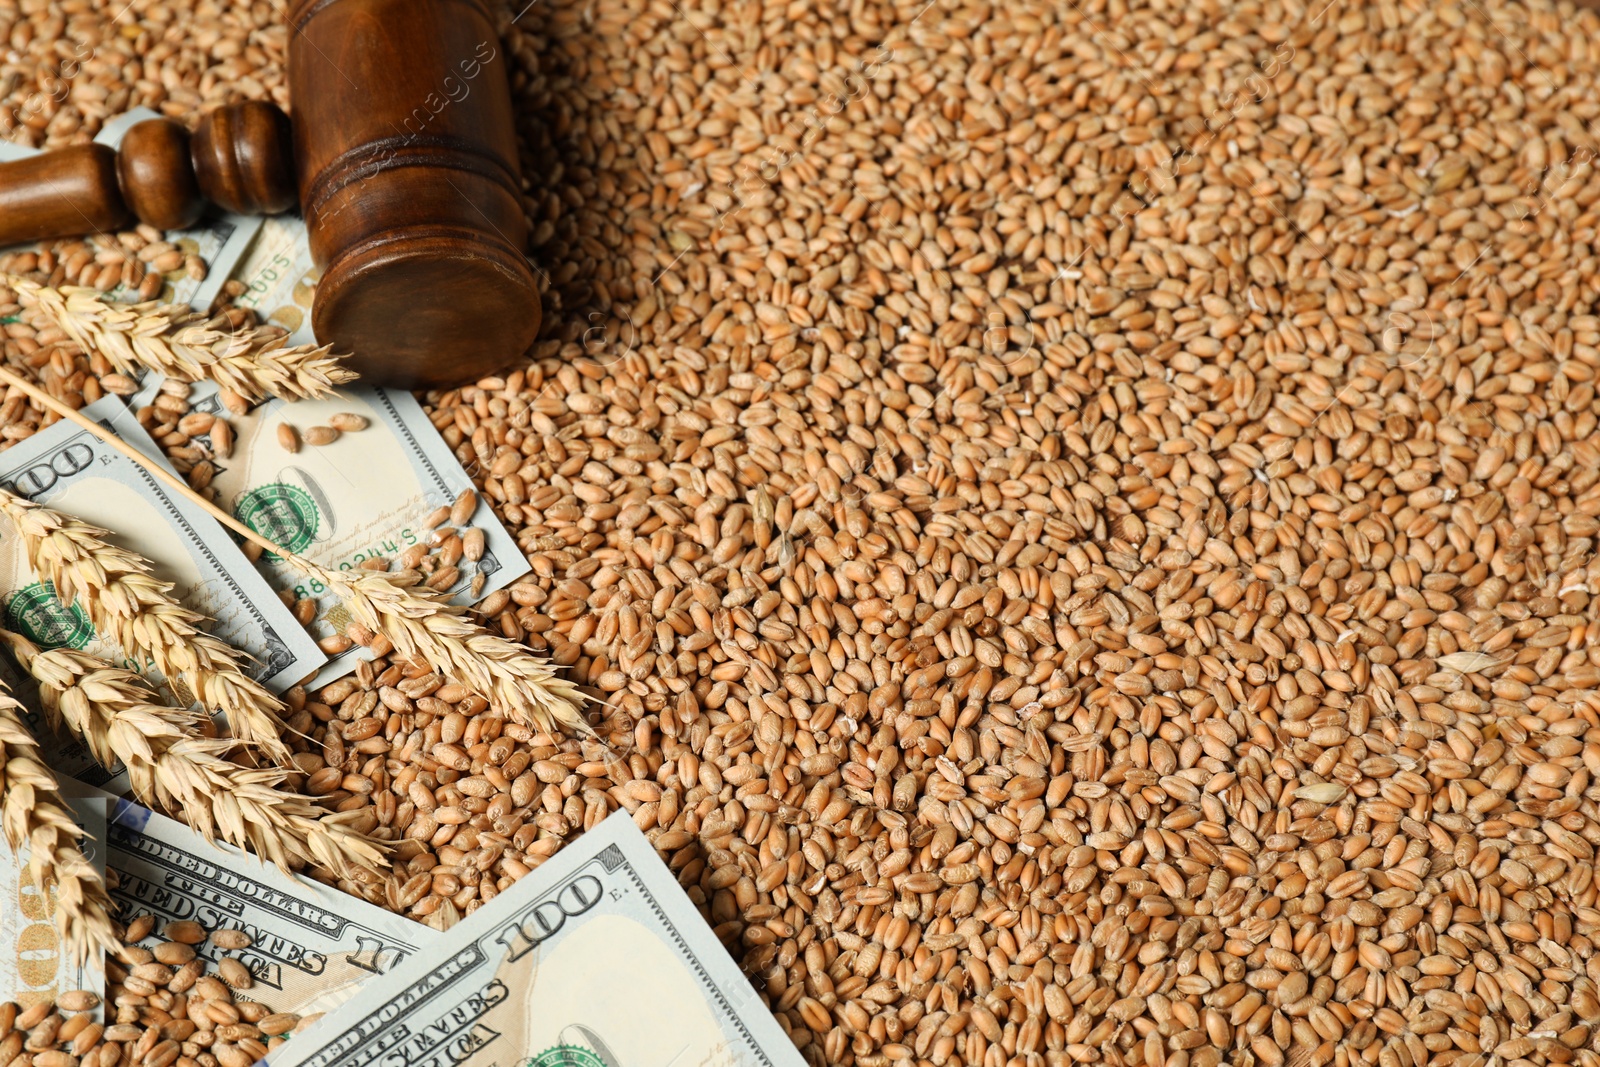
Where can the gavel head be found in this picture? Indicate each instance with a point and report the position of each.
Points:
(419, 307)
(406, 158)
(422, 284)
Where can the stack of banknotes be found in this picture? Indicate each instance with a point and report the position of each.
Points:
(596, 959)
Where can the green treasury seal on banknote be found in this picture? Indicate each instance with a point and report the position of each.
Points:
(36, 613)
(565, 1056)
(284, 514)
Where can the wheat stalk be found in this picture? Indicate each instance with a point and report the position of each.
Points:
(124, 598)
(421, 627)
(179, 342)
(118, 717)
(438, 633)
(33, 814)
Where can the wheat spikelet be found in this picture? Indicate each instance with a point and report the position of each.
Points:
(175, 340)
(33, 814)
(117, 715)
(440, 634)
(124, 598)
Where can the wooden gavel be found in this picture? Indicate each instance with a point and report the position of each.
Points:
(401, 154)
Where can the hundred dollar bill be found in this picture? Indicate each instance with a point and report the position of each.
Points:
(311, 946)
(597, 959)
(365, 495)
(34, 966)
(73, 471)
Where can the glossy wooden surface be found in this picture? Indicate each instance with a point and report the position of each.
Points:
(154, 174)
(243, 159)
(407, 169)
(60, 194)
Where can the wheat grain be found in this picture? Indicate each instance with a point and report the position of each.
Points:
(438, 633)
(33, 814)
(122, 597)
(118, 717)
(176, 341)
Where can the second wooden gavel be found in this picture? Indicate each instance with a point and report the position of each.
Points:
(402, 155)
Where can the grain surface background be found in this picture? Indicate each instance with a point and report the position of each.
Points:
(1083, 513)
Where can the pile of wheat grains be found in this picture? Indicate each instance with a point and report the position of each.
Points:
(1084, 514)
(164, 1007)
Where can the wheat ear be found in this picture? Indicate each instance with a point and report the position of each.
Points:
(33, 814)
(122, 597)
(118, 717)
(442, 635)
(179, 342)
(519, 683)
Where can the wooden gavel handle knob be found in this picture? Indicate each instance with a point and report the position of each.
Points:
(157, 180)
(243, 156)
(239, 158)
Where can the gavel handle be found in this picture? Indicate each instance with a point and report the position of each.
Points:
(61, 194)
(238, 158)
